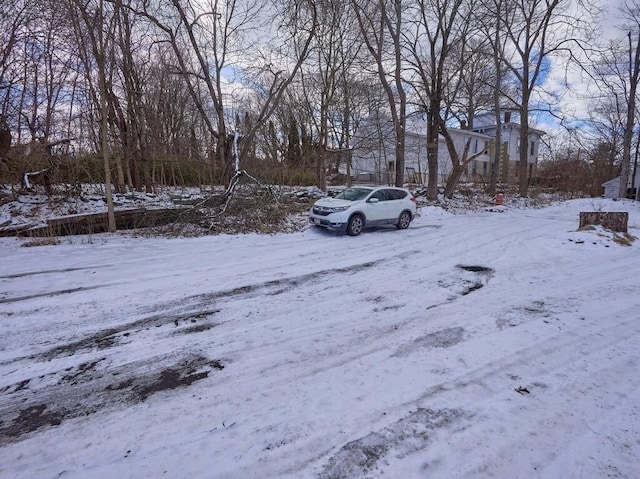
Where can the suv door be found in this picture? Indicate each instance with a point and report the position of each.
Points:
(377, 211)
(393, 204)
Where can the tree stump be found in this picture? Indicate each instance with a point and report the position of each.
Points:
(612, 220)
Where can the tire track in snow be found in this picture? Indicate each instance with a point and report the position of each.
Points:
(54, 293)
(484, 390)
(47, 401)
(585, 382)
(279, 286)
(53, 271)
(196, 306)
(572, 333)
(27, 407)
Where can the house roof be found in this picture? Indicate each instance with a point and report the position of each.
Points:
(417, 125)
(511, 125)
(471, 133)
(616, 181)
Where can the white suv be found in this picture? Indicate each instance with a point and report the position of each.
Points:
(362, 206)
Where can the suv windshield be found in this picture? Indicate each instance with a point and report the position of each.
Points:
(354, 194)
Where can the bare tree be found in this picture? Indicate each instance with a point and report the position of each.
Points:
(607, 119)
(631, 13)
(535, 31)
(35, 67)
(436, 55)
(326, 81)
(381, 24)
(174, 134)
(472, 92)
(99, 27)
(14, 15)
(208, 37)
(321, 84)
(492, 21)
(616, 71)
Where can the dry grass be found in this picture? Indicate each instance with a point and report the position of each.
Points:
(624, 239)
(49, 241)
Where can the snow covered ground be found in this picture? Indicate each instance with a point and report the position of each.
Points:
(487, 344)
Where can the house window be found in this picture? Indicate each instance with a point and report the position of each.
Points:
(474, 168)
(485, 167)
(475, 145)
(533, 148)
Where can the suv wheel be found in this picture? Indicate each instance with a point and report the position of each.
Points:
(355, 226)
(404, 220)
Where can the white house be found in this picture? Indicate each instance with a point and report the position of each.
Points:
(479, 142)
(374, 153)
(612, 187)
(510, 157)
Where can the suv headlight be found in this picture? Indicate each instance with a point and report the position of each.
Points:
(338, 209)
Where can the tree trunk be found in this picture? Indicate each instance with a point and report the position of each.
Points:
(432, 154)
(634, 76)
(523, 165)
(452, 181)
(104, 112)
(497, 61)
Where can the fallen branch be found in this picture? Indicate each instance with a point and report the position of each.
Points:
(26, 176)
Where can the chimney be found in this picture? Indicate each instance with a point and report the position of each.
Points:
(463, 124)
(507, 116)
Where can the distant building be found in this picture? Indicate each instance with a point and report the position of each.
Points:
(374, 152)
(510, 158)
(612, 187)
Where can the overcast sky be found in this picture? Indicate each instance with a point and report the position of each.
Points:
(574, 103)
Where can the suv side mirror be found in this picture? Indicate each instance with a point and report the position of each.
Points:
(373, 200)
